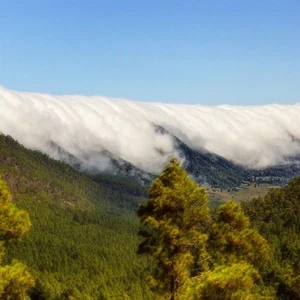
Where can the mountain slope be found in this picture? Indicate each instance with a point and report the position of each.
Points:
(84, 235)
(204, 167)
(216, 171)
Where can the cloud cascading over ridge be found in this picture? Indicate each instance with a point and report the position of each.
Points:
(255, 136)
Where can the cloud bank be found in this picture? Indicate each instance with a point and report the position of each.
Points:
(89, 127)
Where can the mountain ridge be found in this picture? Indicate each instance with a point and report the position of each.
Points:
(204, 167)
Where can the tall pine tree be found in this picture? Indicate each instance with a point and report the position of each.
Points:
(197, 256)
(175, 222)
(238, 254)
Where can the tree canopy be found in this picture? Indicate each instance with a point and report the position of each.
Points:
(198, 254)
(175, 219)
(277, 218)
(15, 279)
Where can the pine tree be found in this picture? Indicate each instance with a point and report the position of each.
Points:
(233, 282)
(175, 222)
(277, 218)
(232, 239)
(197, 256)
(15, 279)
(238, 253)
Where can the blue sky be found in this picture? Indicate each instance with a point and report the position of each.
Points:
(205, 52)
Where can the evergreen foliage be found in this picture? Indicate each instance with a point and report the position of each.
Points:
(277, 218)
(15, 279)
(232, 238)
(198, 255)
(176, 215)
(225, 282)
(84, 236)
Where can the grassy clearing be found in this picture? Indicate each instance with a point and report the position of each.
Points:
(244, 192)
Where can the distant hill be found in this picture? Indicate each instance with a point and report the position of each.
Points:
(84, 236)
(204, 167)
(208, 168)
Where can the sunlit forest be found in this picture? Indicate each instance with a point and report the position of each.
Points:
(64, 235)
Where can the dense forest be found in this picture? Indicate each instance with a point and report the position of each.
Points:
(277, 218)
(83, 236)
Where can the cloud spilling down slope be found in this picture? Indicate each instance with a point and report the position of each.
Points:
(89, 128)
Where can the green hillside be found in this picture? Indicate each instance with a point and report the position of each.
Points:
(277, 218)
(84, 236)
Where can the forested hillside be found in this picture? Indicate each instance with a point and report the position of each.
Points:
(277, 218)
(84, 235)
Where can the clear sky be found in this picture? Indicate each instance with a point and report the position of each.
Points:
(188, 51)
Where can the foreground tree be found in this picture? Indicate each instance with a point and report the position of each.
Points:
(198, 256)
(236, 281)
(15, 280)
(232, 239)
(238, 256)
(175, 222)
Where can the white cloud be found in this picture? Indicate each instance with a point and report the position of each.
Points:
(256, 136)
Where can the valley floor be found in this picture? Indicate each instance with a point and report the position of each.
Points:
(244, 192)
